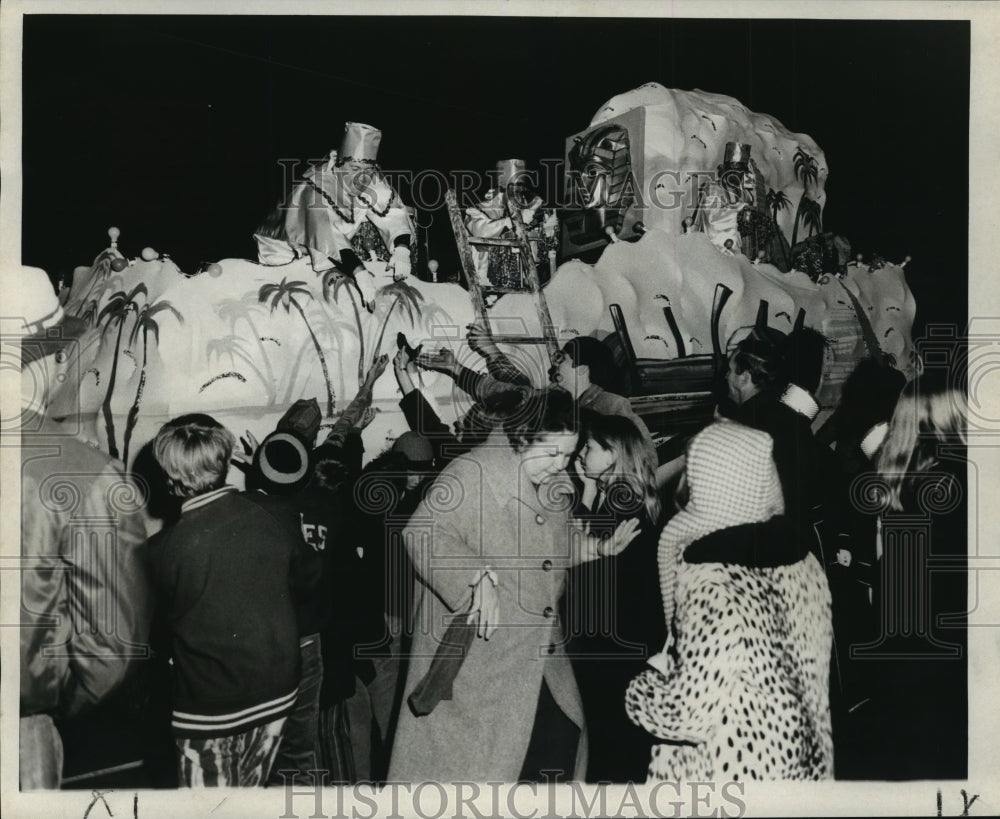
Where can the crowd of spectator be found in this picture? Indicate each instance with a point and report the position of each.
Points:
(514, 594)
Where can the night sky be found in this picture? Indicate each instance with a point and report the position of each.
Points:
(171, 127)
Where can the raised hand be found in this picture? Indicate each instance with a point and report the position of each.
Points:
(443, 360)
(250, 446)
(624, 534)
(366, 417)
(401, 360)
(377, 368)
(480, 339)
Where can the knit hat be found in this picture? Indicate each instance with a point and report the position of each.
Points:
(282, 464)
(416, 449)
(731, 479)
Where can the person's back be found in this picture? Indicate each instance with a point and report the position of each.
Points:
(752, 631)
(84, 612)
(83, 631)
(797, 456)
(222, 574)
(76, 678)
(764, 376)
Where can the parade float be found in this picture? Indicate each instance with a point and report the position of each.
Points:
(657, 213)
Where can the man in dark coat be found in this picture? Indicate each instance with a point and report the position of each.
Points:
(771, 382)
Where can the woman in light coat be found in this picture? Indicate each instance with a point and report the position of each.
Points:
(742, 691)
(491, 543)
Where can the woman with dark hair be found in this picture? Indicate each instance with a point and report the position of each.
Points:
(614, 609)
(490, 692)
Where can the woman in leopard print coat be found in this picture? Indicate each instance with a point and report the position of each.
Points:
(741, 689)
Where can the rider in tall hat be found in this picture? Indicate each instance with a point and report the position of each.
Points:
(345, 215)
(720, 200)
(489, 219)
(732, 209)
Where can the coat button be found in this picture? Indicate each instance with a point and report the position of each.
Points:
(547, 611)
(552, 648)
(539, 520)
(546, 565)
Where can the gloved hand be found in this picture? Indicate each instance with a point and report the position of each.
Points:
(550, 223)
(400, 263)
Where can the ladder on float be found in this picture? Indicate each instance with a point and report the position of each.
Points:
(480, 292)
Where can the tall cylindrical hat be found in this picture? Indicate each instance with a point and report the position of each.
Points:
(360, 142)
(508, 170)
(737, 155)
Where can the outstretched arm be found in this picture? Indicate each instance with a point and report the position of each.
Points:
(355, 411)
(497, 363)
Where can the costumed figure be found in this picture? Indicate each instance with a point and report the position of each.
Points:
(502, 266)
(732, 210)
(346, 216)
(820, 254)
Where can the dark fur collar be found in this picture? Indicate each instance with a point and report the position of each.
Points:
(754, 545)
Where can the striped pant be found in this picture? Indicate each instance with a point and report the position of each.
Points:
(243, 760)
(345, 739)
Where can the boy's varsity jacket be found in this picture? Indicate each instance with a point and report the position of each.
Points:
(222, 579)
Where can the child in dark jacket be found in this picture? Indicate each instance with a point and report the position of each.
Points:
(222, 575)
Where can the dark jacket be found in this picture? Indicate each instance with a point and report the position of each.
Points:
(799, 459)
(317, 520)
(613, 611)
(223, 580)
(622, 591)
(421, 418)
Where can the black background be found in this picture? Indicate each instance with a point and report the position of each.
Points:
(171, 127)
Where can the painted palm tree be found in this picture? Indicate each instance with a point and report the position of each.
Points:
(411, 301)
(403, 294)
(284, 294)
(114, 313)
(812, 217)
(98, 278)
(333, 283)
(806, 168)
(145, 321)
(335, 331)
(90, 312)
(777, 201)
(236, 310)
(809, 215)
